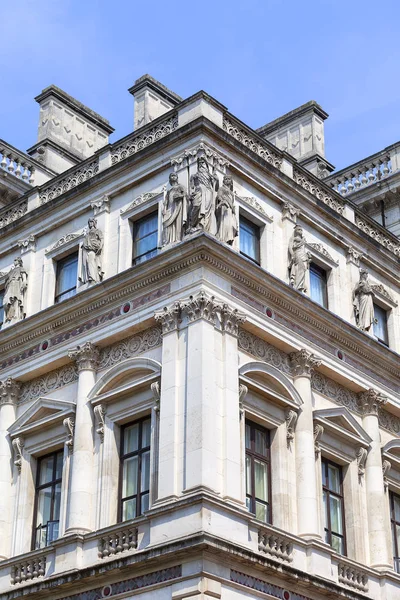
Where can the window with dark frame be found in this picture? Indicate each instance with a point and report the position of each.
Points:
(135, 469)
(258, 471)
(47, 500)
(318, 285)
(380, 325)
(395, 521)
(332, 489)
(1, 308)
(66, 277)
(249, 239)
(145, 238)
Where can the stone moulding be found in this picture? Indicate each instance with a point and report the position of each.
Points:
(254, 204)
(275, 545)
(321, 252)
(142, 199)
(12, 214)
(375, 233)
(83, 173)
(251, 141)
(63, 241)
(118, 541)
(318, 191)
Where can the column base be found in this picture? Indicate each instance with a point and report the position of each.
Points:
(77, 531)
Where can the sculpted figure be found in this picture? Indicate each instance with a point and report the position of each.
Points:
(299, 259)
(202, 199)
(363, 302)
(92, 247)
(15, 290)
(225, 212)
(174, 214)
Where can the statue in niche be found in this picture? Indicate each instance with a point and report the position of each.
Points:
(174, 213)
(204, 186)
(16, 285)
(299, 259)
(92, 247)
(225, 212)
(363, 303)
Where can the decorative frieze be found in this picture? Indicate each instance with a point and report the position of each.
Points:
(264, 351)
(318, 190)
(304, 363)
(69, 425)
(380, 291)
(42, 386)
(361, 456)
(18, 445)
(252, 142)
(100, 417)
(291, 420)
(377, 234)
(10, 215)
(370, 401)
(9, 391)
(86, 356)
(318, 432)
(85, 172)
(130, 347)
(118, 542)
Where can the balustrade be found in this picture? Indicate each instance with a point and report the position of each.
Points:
(352, 577)
(118, 541)
(15, 163)
(28, 569)
(276, 545)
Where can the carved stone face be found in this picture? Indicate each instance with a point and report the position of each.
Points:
(18, 262)
(92, 223)
(173, 178)
(228, 181)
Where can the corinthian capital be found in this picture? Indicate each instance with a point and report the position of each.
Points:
(200, 306)
(85, 356)
(231, 318)
(169, 317)
(9, 389)
(304, 363)
(370, 401)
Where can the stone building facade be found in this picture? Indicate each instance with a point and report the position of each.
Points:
(199, 358)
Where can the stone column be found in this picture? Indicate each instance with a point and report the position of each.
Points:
(304, 363)
(377, 502)
(80, 518)
(8, 401)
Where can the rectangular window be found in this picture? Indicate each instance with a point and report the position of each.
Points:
(318, 285)
(48, 499)
(380, 325)
(1, 308)
(395, 520)
(145, 238)
(249, 236)
(258, 471)
(135, 469)
(332, 488)
(66, 278)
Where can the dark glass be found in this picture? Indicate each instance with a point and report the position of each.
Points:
(48, 499)
(394, 500)
(135, 469)
(1, 308)
(258, 475)
(67, 274)
(249, 235)
(332, 490)
(318, 286)
(145, 238)
(380, 325)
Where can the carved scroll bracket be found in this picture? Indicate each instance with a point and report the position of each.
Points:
(69, 425)
(100, 414)
(318, 432)
(291, 417)
(18, 444)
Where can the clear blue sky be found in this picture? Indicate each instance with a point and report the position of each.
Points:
(261, 58)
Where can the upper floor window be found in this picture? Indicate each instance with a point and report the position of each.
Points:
(66, 278)
(333, 506)
(145, 238)
(1, 308)
(380, 325)
(318, 285)
(48, 499)
(249, 237)
(395, 520)
(258, 471)
(135, 469)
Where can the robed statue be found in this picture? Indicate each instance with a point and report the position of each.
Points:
(203, 188)
(92, 248)
(299, 260)
(16, 284)
(363, 302)
(174, 212)
(225, 212)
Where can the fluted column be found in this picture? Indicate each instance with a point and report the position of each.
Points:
(80, 517)
(9, 390)
(303, 363)
(377, 502)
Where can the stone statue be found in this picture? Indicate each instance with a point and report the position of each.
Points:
(16, 285)
(299, 259)
(363, 302)
(204, 186)
(225, 212)
(92, 247)
(174, 213)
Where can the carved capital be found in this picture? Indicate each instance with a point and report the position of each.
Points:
(99, 415)
(231, 318)
(9, 390)
(69, 425)
(290, 212)
(27, 245)
(101, 205)
(361, 456)
(318, 431)
(243, 389)
(200, 306)
(155, 389)
(17, 445)
(353, 256)
(371, 401)
(386, 466)
(303, 363)
(291, 420)
(85, 356)
(169, 317)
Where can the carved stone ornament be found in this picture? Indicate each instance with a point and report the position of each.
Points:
(371, 401)
(353, 256)
(156, 391)
(18, 444)
(386, 466)
(190, 156)
(304, 363)
(291, 417)
(69, 425)
(243, 389)
(256, 205)
(101, 205)
(16, 285)
(85, 356)
(380, 290)
(361, 456)
(231, 318)
(142, 199)
(318, 431)
(65, 239)
(9, 390)
(200, 306)
(320, 249)
(92, 247)
(174, 211)
(299, 260)
(99, 415)
(27, 245)
(363, 302)
(169, 317)
(290, 212)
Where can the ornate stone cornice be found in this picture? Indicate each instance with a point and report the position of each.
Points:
(169, 317)
(86, 356)
(231, 318)
(69, 425)
(371, 401)
(9, 391)
(304, 363)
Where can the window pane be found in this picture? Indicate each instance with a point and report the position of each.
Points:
(261, 480)
(145, 472)
(325, 498)
(145, 503)
(337, 544)
(396, 502)
(261, 442)
(131, 438)
(145, 238)
(52, 531)
(44, 506)
(380, 325)
(59, 464)
(46, 470)
(57, 502)
(248, 475)
(249, 234)
(67, 272)
(248, 436)
(130, 473)
(318, 291)
(146, 432)
(262, 512)
(336, 514)
(129, 509)
(1, 308)
(334, 478)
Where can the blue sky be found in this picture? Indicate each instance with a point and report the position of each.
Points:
(261, 58)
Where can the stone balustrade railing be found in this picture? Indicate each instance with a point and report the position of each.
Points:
(352, 577)
(275, 545)
(16, 163)
(118, 541)
(29, 569)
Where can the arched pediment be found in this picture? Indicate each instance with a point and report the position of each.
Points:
(128, 374)
(264, 378)
(391, 451)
